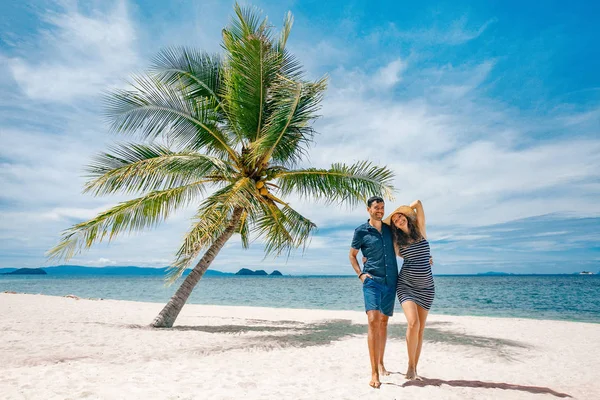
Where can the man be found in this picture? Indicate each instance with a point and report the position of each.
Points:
(379, 276)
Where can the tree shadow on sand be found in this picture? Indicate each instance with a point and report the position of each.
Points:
(269, 335)
(487, 385)
(281, 334)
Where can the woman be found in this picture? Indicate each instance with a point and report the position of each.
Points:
(415, 288)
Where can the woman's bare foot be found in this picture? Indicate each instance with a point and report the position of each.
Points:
(417, 377)
(383, 371)
(411, 374)
(375, 384)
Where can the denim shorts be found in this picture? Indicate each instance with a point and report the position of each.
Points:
(379, 297)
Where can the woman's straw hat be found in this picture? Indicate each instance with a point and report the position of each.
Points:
(406, 210)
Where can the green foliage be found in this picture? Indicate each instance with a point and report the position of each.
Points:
(223, 133)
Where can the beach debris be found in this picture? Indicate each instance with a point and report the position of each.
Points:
(71, 296)
(9, 292)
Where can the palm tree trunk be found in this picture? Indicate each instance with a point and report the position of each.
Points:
(169, 313)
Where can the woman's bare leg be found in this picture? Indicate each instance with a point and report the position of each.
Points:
(412, 336)
(422, 313)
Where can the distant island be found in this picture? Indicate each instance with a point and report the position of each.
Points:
(78, 270)
(27, 271)
(102, 271)
(258, 272)
(494, 273)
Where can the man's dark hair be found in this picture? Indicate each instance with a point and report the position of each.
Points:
(374, 199)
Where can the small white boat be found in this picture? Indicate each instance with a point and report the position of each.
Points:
(586, 273)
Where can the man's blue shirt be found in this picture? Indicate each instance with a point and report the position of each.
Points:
(378, 248)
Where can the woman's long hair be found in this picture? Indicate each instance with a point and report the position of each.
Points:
(401, 239)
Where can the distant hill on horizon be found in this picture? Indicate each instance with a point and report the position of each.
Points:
(495, 273)
(26, 271)
(116, 270)
(81, 270)
(258, 272)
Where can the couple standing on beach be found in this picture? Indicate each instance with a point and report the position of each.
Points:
(380, 240)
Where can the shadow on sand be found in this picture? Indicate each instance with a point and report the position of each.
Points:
(487, 385)
(262, 334)
(281, 334)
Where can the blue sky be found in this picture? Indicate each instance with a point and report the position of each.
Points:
(489, 112)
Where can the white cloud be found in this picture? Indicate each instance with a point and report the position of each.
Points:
(81, 55)
(551, 233)
(105, 261)
(468, 158)
(459, 33)
(455, 33)
(450, 83)
(66, 214)
(317, 56)
(391, 74)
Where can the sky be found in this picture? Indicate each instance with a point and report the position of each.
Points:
(488, 112)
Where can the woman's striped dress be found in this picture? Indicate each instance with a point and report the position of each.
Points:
(415, 281)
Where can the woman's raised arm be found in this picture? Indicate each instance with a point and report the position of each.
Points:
(418, 207)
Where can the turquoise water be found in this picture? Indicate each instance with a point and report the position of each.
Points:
(573, 298)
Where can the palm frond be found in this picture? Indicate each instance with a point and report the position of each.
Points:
(288, 22)
(244, 230)
(212, 220)
(131, 168)
(291, 67)
(248, 21)
(197, 72)
(253, 63)
(283, 229)
(341, 183)
(129, 216)
(153, 108)
(287, 132)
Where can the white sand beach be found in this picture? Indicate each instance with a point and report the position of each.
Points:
(65, 348)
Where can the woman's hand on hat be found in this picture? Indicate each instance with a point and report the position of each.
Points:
(416, 204)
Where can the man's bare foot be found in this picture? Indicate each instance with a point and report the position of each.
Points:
(383, 371)
(375, 384)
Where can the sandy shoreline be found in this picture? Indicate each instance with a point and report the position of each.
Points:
(63, 348)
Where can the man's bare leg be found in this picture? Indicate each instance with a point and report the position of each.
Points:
(382, 342)
(374, 346)
(412, 337)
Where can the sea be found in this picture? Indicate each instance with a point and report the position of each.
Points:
(556, 297)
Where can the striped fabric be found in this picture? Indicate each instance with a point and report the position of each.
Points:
(415, 281)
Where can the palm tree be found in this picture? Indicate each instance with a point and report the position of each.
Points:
(225, 134)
